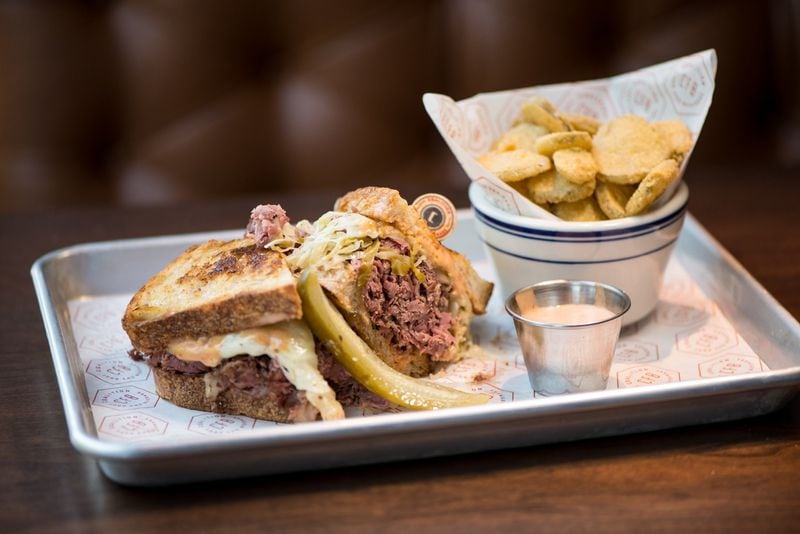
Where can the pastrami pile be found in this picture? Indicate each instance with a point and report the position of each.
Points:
(409, 312)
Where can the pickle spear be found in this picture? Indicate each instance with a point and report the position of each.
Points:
(361, 361)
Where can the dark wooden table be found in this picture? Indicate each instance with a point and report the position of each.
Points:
(742, 475)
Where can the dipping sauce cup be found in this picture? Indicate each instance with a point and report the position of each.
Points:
(568, 331)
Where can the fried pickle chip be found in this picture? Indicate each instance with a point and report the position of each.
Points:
(612, 198)
(547, 144)
(551, 187)
(540, 111)
(627, 148)
(523, 135)
(652, 186)
(580, 122)
(515, 165)
(574, 164)
(585, 209)
(677, 136)
(520, 187)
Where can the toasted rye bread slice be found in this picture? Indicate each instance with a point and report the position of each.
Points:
(213, 288)
(189, 391)
(469, 296)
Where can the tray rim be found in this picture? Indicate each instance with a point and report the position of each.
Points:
(86, 440)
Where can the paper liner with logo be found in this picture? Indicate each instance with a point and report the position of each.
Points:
(678, 89)
(686, 338)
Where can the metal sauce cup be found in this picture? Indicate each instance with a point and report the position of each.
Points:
(567, 357)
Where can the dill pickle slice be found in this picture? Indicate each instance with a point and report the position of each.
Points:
(361, 361)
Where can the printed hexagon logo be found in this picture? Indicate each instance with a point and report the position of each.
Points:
(125, 398)
(452, 120)
(501, 198)
(706, 341)
(635, 351)
(215, 424)
(592, 101)
(472, 370)
(117, 370)
(642, 97)
(496, 394)
(132, 426)
(646, 375)
(688, 87)
(729, 365)
(479, 132)
(678, 314)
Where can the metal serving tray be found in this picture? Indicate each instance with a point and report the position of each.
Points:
(121, 267)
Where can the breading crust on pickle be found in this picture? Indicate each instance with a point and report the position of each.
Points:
(583, 170)
(627, 148)
(515, 165)
(575, 164)
(655, 183)
(552, 187)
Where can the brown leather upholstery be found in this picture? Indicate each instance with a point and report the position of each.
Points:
(155, 100)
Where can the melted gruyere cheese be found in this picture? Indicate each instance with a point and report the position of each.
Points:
(290, 342)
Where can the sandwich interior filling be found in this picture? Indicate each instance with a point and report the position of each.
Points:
(409, 309)
(281, 364)
(407, 301)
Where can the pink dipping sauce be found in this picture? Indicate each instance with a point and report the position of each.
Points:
(568, 314)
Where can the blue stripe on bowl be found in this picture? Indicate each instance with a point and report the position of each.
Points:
(564, 262)
(593, 236)
(488, 222)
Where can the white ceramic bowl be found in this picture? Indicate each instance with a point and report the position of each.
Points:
(629, 253)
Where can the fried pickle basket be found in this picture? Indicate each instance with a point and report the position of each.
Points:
(678, 89)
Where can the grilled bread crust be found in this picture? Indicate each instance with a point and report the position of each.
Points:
(189, 391)
(212, 288)
(470, 293)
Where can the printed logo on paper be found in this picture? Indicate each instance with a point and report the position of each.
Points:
(688, 87)
(132, 426)
(642, 97)
(125, 398)
(729, 365)
(479, 130)
(472, 370)
(634, 351)
(214, 424)
(496, 394)
(592, 101)
(117, 370)
(451, 120)
(674, 314)
(498, 196)
(646, 376)
(706, 341)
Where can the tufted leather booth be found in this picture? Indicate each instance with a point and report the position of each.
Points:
(152, 101)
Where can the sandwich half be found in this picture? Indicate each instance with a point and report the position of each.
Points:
(221, 328)
(405, 294)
